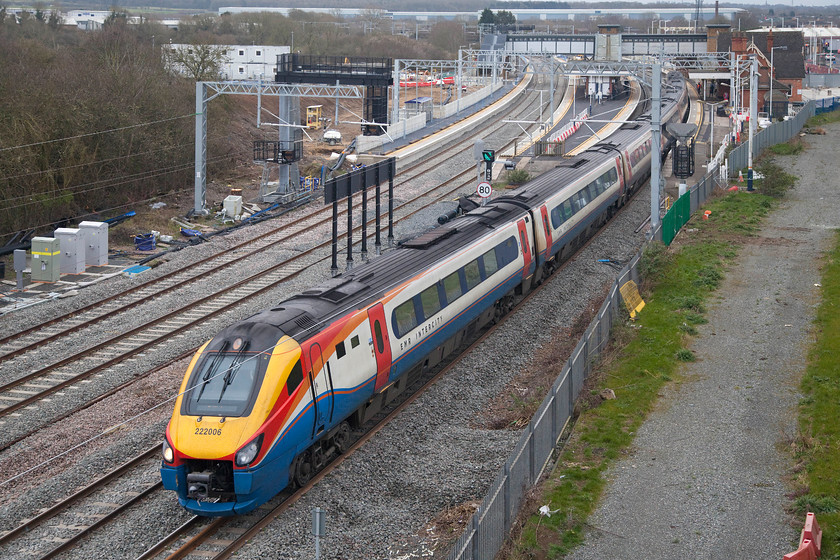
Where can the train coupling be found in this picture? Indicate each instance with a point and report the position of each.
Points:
(199, 484)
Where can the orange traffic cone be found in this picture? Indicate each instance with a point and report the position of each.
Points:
(740, 177)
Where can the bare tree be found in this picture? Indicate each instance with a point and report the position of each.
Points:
(199, 61)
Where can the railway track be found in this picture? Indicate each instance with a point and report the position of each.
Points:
(33, 338)
(61, 526)
(218, 539)
(106, 357)
(222, 538)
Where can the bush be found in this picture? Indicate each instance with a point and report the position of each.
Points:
(517, 177)
(655, 258)
(789, 148)
(685, 355)
(776, 181)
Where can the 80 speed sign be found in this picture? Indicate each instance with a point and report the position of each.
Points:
(484, 189)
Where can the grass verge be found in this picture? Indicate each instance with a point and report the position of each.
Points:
(817, 449)
(648, 354)
(823, 118)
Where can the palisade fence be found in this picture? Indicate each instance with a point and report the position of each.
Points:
(491, 523)
(781, 131)
(738, 159)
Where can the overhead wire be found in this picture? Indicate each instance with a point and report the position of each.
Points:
(87, 134)
(118, 207)
(114, 181)
(128, 420)
(95, 162)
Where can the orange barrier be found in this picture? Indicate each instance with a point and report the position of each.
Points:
(806, 552)
(810, 542)
(812, 532)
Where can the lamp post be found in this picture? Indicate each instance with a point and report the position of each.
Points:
(712, 108)
(772, 51)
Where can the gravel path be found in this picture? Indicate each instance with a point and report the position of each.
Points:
(706, 477)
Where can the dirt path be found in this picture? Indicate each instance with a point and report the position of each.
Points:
(706, 476)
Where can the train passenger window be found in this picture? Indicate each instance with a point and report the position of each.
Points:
(557, 218)
(568, 211)
(295, 378)
(430, 298)
(613, 178)
(452, 287)
(340, 350)
(579, 200)
(506, 252)
(472, 274)
(490, 264)
(405, 318)
(354, 341)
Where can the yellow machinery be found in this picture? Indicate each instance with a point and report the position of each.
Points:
(313, 116)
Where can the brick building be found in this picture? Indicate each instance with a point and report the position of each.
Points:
(785, 49)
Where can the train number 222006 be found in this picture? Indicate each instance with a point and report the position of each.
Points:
(208, 431)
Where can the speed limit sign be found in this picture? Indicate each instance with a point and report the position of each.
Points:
(484, 189)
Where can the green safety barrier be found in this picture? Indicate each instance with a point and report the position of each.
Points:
(676, 218)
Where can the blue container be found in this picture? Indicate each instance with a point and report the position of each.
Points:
(145, 242)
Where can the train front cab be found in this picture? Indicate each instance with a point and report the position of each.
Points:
(219, 453)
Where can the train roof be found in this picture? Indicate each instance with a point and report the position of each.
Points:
(307, 313)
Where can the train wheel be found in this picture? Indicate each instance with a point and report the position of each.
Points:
(341, 439)
(302, 468)
(550, 267)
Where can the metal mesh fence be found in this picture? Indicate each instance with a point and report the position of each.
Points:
(779, 132)
(491, 523)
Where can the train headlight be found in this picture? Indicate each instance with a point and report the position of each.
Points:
(247, 454)
(168, 454)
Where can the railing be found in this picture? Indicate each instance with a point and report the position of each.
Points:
(778, 132)
(491, 523)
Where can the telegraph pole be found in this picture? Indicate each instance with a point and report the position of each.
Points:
(753, 118)
(656, 144)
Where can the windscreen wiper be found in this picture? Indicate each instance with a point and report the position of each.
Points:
(209, 374)
(232, 370)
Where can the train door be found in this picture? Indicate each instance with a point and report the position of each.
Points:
(620, 169)
(322, 388)
(526, 249)
(381, 346)
(547, 226)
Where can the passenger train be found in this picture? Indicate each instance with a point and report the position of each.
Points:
(272, 398)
